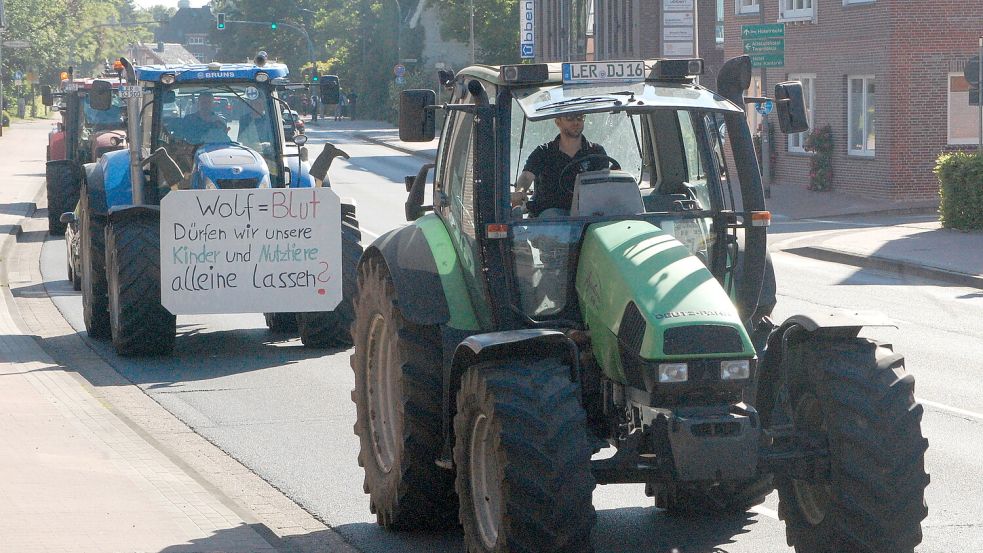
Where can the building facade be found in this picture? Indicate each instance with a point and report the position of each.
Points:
(161, 53)
(190, 27)
(885, 76)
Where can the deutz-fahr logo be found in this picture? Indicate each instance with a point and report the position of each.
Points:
(216, 74)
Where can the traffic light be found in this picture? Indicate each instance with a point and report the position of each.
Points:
(330, 89)
(273, 25)
(315, 77)
(220, 24)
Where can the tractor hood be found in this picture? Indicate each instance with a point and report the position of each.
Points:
(642, 292)
(229, 166)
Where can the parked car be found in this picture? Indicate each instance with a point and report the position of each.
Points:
(73, 242)
(292, 124)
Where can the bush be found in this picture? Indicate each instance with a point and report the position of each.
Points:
(820, 142)
(960, 190)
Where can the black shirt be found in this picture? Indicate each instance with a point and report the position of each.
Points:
(546, 162)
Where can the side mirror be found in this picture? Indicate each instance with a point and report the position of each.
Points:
(67, 218)
(101, 95)
(46, 97)
(169, 169)
(300, 139)
(791, 107)
(414, 207)
(416, 122)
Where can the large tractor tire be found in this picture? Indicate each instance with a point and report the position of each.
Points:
(398, 403)
(856, 394)
(140, 324)
(325, 329)
(523, 459)
(62, 184)
(281, 322)
(95, 298)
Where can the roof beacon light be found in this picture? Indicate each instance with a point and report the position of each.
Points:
(118, 66)
(167, 78)
(677, 69)
(262, 77)
(261, 58)
(525, 73)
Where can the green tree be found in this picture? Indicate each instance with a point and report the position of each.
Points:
(496, 27)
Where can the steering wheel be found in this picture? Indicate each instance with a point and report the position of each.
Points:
(614, 164)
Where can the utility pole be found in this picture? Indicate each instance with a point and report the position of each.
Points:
(3, 27)
(472, 32)
(765, 138)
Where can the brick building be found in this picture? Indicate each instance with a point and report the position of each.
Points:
(884, 75)
(190, 27)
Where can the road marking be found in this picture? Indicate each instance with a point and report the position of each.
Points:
(762, 510)
(954, 410)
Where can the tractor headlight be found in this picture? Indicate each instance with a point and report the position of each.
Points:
(735, 369)
(262, 77)
(673, 372)
(167, 78)
(209, 184)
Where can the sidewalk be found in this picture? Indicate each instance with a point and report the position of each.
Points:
(902, 237)
(76, 475)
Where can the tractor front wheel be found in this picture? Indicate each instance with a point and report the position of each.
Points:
(62, 186)
(140, 324)
(398, 403)
(95, 299)
(523, 459)
(323, 329)
(855, 395)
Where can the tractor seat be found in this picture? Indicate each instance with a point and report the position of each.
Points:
(606, 193)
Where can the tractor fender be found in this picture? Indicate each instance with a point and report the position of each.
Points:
(115, 167)
(509, 344)
(300, 174)
(122, 213)
(838, 323)
(426, 274)
(94, 188)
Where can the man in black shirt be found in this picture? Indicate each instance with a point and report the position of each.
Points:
(553, 196)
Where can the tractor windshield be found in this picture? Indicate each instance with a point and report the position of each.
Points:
(193, 115)
(660, 165)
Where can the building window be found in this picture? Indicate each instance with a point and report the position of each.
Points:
(793, 10)
(796, 142)
(747, 6)
(964, 119)
(719, 30)
(861, 115)
(848, 2)
(196, 39)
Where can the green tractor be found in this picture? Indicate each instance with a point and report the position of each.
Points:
(497, 352)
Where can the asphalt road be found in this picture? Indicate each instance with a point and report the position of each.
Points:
(286, 413)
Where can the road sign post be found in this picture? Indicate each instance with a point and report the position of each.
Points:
(765, 44)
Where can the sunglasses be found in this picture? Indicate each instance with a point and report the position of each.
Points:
(572, 118)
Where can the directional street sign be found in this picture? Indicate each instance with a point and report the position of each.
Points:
(765, 44)
(16, 44)
(399, 70)
(765, 30)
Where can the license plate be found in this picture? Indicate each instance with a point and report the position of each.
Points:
(130, 91)
(603, 71)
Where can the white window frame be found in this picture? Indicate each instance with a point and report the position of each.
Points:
(747, 6)
(849, 2)
(796, 141)
(788, 11)
(864, 151)
(948, 114)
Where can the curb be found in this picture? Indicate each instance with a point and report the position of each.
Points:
(919, 210)
(405, 150)
(902, 268)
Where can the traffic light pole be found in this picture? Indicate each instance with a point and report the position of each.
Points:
(301, 30)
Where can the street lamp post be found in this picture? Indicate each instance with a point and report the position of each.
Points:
(399, 32)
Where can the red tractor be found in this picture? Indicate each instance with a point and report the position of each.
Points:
(82, 136)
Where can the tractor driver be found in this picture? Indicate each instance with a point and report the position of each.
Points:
(553, 196)
(204, 126)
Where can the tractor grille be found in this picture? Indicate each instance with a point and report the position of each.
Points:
(237, 183)
(702, 339)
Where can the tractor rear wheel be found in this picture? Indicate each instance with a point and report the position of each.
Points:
(281, 322)
(140, 324)
(397, 396)
(855, 394)
(323, 329)
(95, 299)
(61, 182)
(523, 459)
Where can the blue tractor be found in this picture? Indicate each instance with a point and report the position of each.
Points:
(185, 124)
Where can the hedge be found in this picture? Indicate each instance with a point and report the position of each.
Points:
(960, 190)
